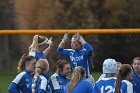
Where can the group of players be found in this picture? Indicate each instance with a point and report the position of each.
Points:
(34, 73)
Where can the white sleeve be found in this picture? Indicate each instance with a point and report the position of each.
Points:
(18, 77)
(43, 83)
(129, 87)
(55, 83)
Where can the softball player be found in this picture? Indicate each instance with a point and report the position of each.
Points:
(79, 55)
(23, 81)
(106, 84)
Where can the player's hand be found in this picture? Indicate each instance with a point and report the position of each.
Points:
(77, 36)
(50, 42)
(65, 37)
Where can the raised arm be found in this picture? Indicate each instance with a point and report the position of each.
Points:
(87, 46)
(60, 49)
(47, 50)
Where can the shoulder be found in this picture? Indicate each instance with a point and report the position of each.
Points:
(127, 82)
(19, 77)
(43, 79)
(43, 83)
(85, 83)
(54, 76)
(106, 79)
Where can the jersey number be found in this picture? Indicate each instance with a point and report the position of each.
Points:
(109, 89)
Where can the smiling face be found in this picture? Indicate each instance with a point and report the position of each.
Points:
(75, 44)
(66, 69)
(136, 66)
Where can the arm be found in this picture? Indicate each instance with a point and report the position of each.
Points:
(13, 88)
(129, 88)
(18, 81)
(47, 50)
(60, 49)
(63, 52)
(87, 46)
(64, 40)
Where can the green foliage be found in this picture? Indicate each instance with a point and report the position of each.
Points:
(5, 80)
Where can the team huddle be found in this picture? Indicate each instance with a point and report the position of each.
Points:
(34, 75)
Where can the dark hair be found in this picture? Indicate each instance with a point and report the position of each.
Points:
(22, 62)
(124, 70)
(41, 39)
(61, 64)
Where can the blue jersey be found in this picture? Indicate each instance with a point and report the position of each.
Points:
(42, 85)
(82, 87)
(79, 57)
(126, 87)
(22, 83)
(102, 76)
(105, 85)
(58, 82)
(136, 82)
(37, 55)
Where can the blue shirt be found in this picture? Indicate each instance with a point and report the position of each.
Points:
(42, 85)
(136, 82)
(126, 87)
(58, 82)
(37, 55)
(22, 82)
(79, 57)
(82, 87)
(105, 85)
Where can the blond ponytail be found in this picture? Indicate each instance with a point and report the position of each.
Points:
(36, 76)
(34, 45)
(78, 74)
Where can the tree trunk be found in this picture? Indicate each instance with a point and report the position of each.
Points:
(6, 65)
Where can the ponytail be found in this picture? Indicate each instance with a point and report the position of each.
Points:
(34, 45)
(36, 76)
(78, 74)
(118, 82)
(123, 72)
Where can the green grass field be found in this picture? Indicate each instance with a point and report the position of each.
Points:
(6, 78)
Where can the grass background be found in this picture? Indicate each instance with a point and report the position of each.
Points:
(6, 78)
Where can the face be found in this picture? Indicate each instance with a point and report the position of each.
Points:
(31, 65)
(136, 66)
(42, 47)
(75, 44)
(118, 66)
(66, 70)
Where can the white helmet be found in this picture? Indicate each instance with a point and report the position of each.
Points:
(110, 66)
